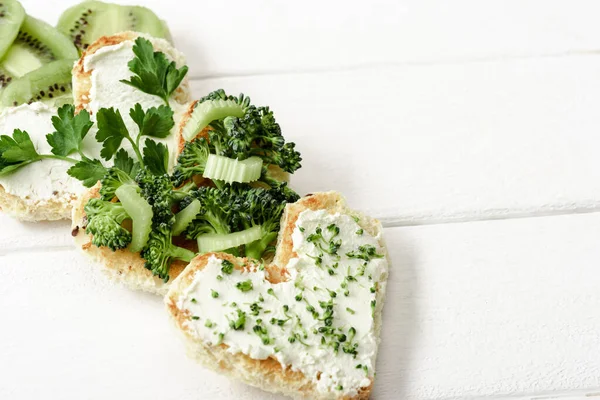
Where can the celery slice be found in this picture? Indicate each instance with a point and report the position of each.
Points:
(216, 242)
(140, 212)
(232, 170)
(185, 217)
(206, 112)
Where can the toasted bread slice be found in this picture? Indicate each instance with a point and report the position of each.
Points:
(122, 265)
(269, 374)
(82, 77)
(41, 191)
(28, 211)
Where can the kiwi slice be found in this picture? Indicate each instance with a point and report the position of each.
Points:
(12, 15)
(90, 20)
(51, 83)
(36, 44)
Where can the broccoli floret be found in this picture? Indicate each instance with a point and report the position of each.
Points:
(160, 251)
(279, 188)
(191, 161)
(112, 180)
(256, 133)
(104, 223)
(158, 192)
(216, 214)
(220, 94)
(264, 208)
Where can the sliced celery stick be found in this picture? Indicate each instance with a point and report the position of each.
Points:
(216, 242)
(185, 216)
(206, 112)
(231, 170)
(140, 212)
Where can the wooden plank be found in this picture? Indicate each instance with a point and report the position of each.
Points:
(422, 144)
(233, 37)
(425, 144)
(28, 236)
(497, 308)
(494, 308)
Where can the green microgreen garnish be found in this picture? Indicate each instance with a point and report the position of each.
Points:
(226, 267)
(239, 323)
(366, 252)
(244, 286)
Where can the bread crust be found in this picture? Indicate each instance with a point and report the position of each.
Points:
(123, 266)
(43, 210)
(82, 82)
(268, 374)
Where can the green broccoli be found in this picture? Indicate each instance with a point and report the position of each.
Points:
(104, 223)
(258, 134)
(215, 214)
(160, 251)
(253, 133)
(112, 180)
(263, 208)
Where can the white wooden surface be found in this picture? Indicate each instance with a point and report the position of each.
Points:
(421, 112)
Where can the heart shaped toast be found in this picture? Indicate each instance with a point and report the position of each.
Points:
(306, 325)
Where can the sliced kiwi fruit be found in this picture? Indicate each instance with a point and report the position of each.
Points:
(12, 15)
(90, 20)
(36, 44)
(51, 84)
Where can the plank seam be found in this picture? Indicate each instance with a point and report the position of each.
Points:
(382, 65)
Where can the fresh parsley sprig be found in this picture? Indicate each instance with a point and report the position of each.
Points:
(18, 151)
(154, 73)
(154, 122)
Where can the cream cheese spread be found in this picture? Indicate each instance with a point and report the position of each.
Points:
(319, 322)
(43, 180)
(108, 66)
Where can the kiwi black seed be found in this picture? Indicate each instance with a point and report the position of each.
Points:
(36, 44)
(87, 21)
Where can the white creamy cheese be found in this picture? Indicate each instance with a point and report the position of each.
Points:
(109, 66)
(281, 320)
(44, 180)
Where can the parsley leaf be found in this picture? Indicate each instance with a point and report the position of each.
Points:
(155, 122)
(156, 157)
(87, 171)
(111, 131)
(126, 164)
(154, 74)
(18, 148)
(70, 130)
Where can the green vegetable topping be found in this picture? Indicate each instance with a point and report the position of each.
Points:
(244, 286)
(226, 267)
(240, 322)
(214, 294)
(366, 252)
(155, 74)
